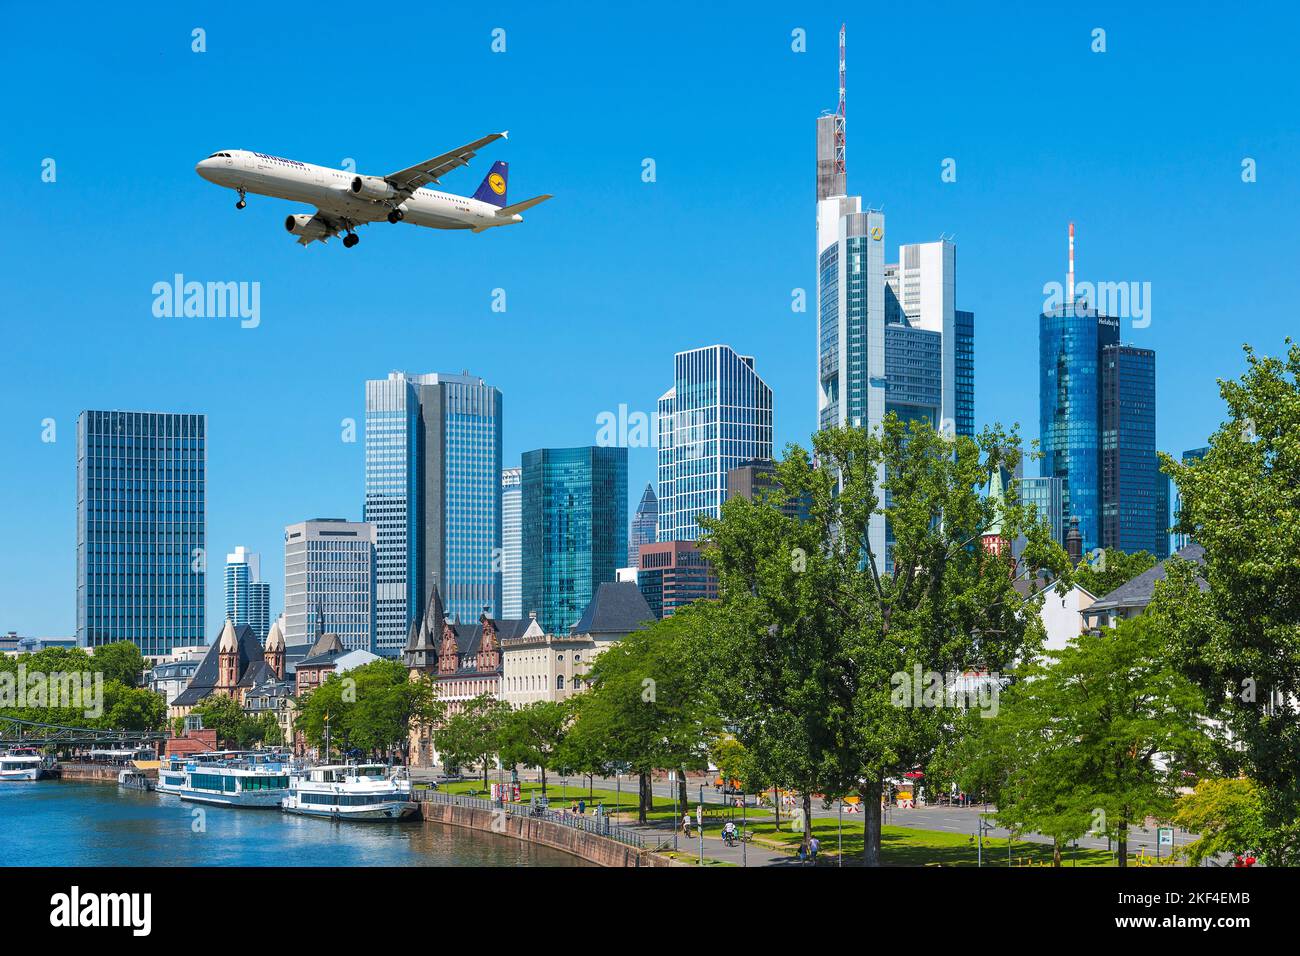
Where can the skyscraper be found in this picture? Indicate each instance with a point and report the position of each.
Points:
(1045, 495)
(329, 582)
(512, 594)
(574, 534)
(141, 535)
(673, 574)
(1096, 409)
(890, 337)
(717, 415)
(433, 492)
(645, 524)
(1130, 474)
(248, 597)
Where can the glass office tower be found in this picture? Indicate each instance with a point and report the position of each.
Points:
(645, 525)
(574, 517)
(393, 506)
(1182, 540)
(141, 552)
(1070, 344)
(1131, 491)
(248, 597)
(433, 492)
(1045, 495)
(512, 595)
(717, 415)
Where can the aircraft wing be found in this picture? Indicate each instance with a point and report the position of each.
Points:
(320, 227)
(411, 178)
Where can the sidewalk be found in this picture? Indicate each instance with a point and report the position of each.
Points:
(715, 848)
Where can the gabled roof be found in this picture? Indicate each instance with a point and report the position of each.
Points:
(1138, 592)
(204, 681)
(617, 608)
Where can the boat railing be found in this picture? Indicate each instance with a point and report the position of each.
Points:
(598, 824)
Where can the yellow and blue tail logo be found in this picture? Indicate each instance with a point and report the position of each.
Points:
(493, 187)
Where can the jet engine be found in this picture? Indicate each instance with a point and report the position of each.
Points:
(372, 187)
(305, 225)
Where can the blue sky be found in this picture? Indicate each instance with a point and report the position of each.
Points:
(1141, 146)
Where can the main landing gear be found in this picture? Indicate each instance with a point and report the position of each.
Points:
(396, 216)
(241, 204)
(350, 240)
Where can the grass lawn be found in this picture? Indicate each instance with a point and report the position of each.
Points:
(899, 846)
(902, 846)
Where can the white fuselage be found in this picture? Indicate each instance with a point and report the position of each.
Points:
(330, 190)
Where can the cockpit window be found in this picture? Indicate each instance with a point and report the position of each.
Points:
(216, 155)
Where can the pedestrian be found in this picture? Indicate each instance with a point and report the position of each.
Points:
(803, 850)
(582, 807)
(813, 846)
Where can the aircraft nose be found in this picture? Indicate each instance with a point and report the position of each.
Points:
(205, 167)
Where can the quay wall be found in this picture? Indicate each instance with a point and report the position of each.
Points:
(104, 773)
(588, 846)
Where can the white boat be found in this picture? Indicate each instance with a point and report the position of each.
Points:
(24, 764)
(172, 773)
(349, 792)
(261, 786)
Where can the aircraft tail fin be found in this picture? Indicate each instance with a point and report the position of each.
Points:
(521, 206)
(493, 187)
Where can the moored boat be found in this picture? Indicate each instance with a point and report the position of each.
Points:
(23, 763)
(349, 792)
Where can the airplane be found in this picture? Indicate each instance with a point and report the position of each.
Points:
(344, 200)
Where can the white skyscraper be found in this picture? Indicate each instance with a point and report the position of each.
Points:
(512, 588)
(329, 570)
(717, 415)
(248, 597)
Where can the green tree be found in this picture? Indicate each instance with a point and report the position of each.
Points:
(224, 715)
(127, 707)
(815, 625)
(645, 709)
(1107, 568)
(1098, 738)
(534, 735)
(1227, 815)
(121, 662)
(1239, 640)
(473, 734)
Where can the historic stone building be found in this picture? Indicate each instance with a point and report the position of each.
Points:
(236, 663)
(463, 661)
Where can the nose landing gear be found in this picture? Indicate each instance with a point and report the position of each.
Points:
(242, 203)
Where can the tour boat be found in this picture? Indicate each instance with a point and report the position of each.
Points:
(349, 792)
(22, 764)
(235, 785)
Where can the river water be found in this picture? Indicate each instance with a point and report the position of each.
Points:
(58, 823)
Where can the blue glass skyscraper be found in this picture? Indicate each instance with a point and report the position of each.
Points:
(1132, 493)
(141, 551)
(1070, 343)
(574, 528)
(717, 415)
(433, 492)
(645, 525)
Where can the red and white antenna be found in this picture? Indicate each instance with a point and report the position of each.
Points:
(1069, 276)
(839, 113)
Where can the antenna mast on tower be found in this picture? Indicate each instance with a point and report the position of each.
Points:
(1069, 276)
(839, 113)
